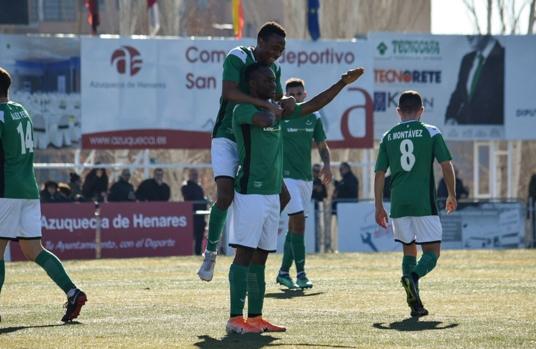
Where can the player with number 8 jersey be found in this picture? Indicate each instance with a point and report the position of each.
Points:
(415, 145)
(409, 150)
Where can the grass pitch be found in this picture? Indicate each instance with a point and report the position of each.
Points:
(476, 299)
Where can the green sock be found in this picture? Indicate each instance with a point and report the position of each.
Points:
(256, 289)
(408, 264)
(288, 257)
(216, 223)
(238, 282)
(298, 250)
(426, 264)
(2, 273)
(54, 269)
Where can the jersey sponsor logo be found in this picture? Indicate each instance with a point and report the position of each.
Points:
(272, 129)
(18, 115)
(296, 129)
(127, 60)
(257, 184)
(404, 134)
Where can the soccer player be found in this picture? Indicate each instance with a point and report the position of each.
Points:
(409, 150)
(298, 137)
(270, 46)
(256, 205)
(20, 213)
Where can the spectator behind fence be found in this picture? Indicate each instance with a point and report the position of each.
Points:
(75, 183)
(192, 191)
(51, 194)
(319, 189)
(461, 190)
(154, 189)
(532, 189)
(347, 188)
(531, 202)
(122, 190)
(95, 186)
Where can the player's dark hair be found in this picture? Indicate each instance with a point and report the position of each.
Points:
(271, 28)
(294, 82)
(5, 82)
(410, 102)
(251, 69)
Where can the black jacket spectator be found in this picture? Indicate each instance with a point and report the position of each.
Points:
(347, 189)
(532, 188)
(51, 194)
(96, 185)
(461, 190)
(154, 189)
(75, 183)
(122, 190)
(191, 191)
(320, 191)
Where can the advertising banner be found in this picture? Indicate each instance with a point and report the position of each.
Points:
(164, 93)
(461, 79)
(358, 231)
(45, 72)
(127, 230)
(472, 226)
(520, 85)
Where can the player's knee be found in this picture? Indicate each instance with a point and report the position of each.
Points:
(298, 223)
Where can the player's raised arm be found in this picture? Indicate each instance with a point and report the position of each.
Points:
(322, 99)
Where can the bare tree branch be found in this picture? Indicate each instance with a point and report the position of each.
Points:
(470, 5)
(532, 17)
(502, 17)
(490, 8)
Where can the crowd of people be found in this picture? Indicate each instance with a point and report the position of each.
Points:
(96, 188)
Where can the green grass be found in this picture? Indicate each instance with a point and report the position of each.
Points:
(476, 299)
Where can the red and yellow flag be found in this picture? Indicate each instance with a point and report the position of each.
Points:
(238, 18)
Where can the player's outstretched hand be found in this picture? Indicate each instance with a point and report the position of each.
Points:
(352, 75)
(326, 174)
(451, 204)
(381, 217)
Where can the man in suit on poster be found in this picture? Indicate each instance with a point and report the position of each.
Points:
(479, 95)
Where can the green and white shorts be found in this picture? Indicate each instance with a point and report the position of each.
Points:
(421, 230)
(20, 219)
(254, 220)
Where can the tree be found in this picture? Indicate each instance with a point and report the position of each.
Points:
(502, 16)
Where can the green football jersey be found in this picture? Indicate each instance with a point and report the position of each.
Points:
(234, 67)
(260, 153)
(409, 150)
(17, 177)
(298, 136)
